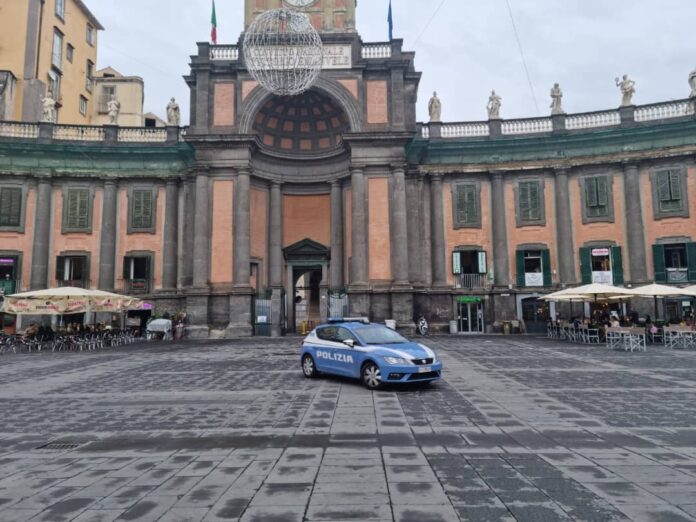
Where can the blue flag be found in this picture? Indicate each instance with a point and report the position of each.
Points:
(390, 19)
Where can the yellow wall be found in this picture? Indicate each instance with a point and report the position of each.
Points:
(130, 93)
(13, 35)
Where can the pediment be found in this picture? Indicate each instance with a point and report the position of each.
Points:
(307, 249)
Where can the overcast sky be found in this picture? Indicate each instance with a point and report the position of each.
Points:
(467, 49)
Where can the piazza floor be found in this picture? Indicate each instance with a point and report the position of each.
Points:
(521, 428)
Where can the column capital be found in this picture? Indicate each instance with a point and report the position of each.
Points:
(357, 169)
(336, 183)
(561, 170)
(110, 182)
(172, 182)
(395, 167)
(630, 165)
(245, 171)
(436, 177)
(496, 174)
(277, 184)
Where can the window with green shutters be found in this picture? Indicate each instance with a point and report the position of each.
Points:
(675, 263)
(142, 210)
(10, 207)
(77, 210)
(597, 196)
(467, 205)
(529, 203)
(670, 193)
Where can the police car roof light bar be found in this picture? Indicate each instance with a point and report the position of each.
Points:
(363, 320)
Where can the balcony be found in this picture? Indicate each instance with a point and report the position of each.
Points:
(77, 283)
(472, 281)
(137, 286)
(677, 275)
(8, 286)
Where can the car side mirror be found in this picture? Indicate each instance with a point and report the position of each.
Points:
(350, 343)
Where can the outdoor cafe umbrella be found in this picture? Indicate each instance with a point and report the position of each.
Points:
(67, 300)
(656, 291)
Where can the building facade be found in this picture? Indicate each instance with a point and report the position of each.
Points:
(266, 212)
(128, 90)
(47, 46)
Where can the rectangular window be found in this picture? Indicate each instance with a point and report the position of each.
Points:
(83, 105)
(90, 34)
(597, 196)
(57, 54)
(137, 274)
(141, 216)
(54, 81)
(10, 207)
(107, 91)
(669, 190)
(72, 271)
(9, 272)
(69, 52)
(90, 76)
(466, 205)
(60, 9)
(76, 210)
(529, 201)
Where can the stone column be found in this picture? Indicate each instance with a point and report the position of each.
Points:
(399, 236)
(634, 225)
(438, 232)
(187, 222)
(359, 265)
(171, 227)
(337, 280)
(109, 229)
(564, 230)
(501, 260)
(426, 232)
(275, 255)
(240, 301)
(201, 239)
(414, 219)
(42, 236)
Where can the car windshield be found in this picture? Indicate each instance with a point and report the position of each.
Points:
(379, 335)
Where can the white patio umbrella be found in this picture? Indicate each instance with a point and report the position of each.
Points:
(656, 290)
(690, 291)
(67, 300)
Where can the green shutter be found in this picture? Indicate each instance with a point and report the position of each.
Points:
(520, 269)
(77, 209)
(691, 259)
(83, 209)
(586, 265)
(675, 185)
(141, 209)
(523, 201)
(85, 271)
(617, 265)
(460, 204)
(10, 207)
(534, 202)
(546, 267)
(60, 269)
(659, 262)
(663, 182)
(126, 268)
(591, 192)
(471, 205)
(603, 191)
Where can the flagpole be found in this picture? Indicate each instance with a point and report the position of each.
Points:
(390, 20)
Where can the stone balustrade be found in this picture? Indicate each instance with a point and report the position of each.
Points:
(376, 50)
(142, 135)
(11, 129)
(77, 133)
(664, 111)
(465, 129)
(227, 53)
(593, 120)
(526, 126)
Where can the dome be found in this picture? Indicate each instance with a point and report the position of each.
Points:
(310, 122)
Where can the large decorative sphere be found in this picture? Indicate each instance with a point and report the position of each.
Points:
(283, 51)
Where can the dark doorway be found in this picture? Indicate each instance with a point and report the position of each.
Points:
(307, 297)
(535, 313)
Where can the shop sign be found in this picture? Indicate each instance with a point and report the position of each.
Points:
(534, 279)
(468, 299)
(7, 261)
(600, 252)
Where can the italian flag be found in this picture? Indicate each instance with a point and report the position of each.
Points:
(213, 23)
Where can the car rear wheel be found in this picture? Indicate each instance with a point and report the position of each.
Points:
(309, 369)
(371, 376)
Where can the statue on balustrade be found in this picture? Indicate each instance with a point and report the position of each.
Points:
(692, 83)
(435, 108)
(173, 113)
(628, 89)
(49, 108)
(494, 104)
(557, 100)
(113, 108)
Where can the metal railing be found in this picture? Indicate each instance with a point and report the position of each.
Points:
(472, 281)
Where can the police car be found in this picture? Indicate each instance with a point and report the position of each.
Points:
(370, 352)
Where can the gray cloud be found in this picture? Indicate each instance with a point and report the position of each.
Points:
(468, 49)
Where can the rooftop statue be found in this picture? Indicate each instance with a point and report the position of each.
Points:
(494, 104)
(173, 113)
(113, 108)
(628, 89)
(692, 83)
(435, 108)
(557, 100)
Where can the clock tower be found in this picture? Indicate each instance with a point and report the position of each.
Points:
(327, 16)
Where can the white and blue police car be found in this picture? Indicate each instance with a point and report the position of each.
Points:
(370, 352)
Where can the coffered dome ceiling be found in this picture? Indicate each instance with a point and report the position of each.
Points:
(310, 122)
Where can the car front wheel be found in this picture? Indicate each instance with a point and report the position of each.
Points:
(309, 369)
(371, 376)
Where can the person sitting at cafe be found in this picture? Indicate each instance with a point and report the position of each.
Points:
(31, 331)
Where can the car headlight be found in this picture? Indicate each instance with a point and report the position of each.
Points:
(396, 360)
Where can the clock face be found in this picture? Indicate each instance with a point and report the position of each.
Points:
(300, 3)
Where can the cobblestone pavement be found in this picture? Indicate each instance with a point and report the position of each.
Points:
(521, 428)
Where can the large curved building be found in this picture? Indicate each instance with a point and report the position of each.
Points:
(268, 211)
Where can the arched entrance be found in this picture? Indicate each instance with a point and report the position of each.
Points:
(307, 265)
